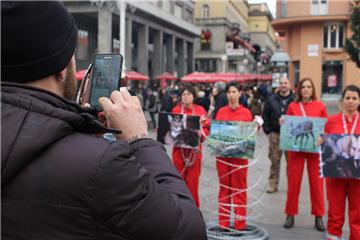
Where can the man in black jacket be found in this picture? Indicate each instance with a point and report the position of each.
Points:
(274, 108)
(59, 179)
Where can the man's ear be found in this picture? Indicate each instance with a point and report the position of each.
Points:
(61, 75)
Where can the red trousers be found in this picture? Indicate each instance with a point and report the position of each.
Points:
(337, 190)
(296, 161)
(233, 187)
(190, 174)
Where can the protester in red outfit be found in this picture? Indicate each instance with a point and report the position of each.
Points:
(337, 189)
(306, 105)
(232, 172)
(188, 161)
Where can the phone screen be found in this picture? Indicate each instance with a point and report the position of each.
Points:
(105, 77)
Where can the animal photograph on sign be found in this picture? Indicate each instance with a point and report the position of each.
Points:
(232, 139)
(300, 134)
(179, 129)
(340, 156)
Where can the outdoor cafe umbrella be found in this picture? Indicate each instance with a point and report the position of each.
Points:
(80, 74)
(136, 76)
(197, 77)
(166, 77)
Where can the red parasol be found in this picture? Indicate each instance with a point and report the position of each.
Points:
(197, 77)
(136, 76)
(80, 74)
(166, 77)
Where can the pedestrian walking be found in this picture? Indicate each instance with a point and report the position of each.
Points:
(232, 172)
(188, 161)
(152, 106)
(338, 189)
(305, 105)
(274, 108)
(59, 179)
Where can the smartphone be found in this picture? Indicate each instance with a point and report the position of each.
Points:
(105, 77)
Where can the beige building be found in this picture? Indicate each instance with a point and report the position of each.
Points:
(260, 29)
(224, 42)
(313, 33)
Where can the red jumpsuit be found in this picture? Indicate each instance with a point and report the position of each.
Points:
(296, 162)
(339, 189)
(232, 186)
(190, 174)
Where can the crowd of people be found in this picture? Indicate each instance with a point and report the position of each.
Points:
(62, 180)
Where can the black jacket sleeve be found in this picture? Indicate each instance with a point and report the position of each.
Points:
(266, 115)
(139, 193)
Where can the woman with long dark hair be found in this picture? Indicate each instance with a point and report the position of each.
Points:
(305, 105)
(338, 189)
(188, 161)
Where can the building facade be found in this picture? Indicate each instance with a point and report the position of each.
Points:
(159, 35)
(223, 45)
(262, 34)
(313, 33)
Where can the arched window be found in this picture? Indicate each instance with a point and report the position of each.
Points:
(205, 11)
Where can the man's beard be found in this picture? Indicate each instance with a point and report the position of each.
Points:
(70, 84)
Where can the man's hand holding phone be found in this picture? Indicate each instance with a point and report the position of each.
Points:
(123, 112)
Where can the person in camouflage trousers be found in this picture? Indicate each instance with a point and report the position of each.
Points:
(274, 108)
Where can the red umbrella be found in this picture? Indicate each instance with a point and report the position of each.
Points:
(136, 76)
(225, 77)
(197, 77)
(80, 74)
(264, 77)
(166, 77)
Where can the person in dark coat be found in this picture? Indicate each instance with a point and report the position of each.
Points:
(59, 178)
(276, 106)
(220, 99)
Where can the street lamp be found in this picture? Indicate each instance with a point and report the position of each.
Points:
(279, 61)
(224, 59)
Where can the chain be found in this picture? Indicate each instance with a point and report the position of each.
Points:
(353, 126)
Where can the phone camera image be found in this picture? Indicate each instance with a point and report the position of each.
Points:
(106, 76)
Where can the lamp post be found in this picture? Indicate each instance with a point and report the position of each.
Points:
(279, 62)
(224, 59)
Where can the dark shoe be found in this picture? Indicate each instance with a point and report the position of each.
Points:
(319, 224)
(289, 221)
(271, 189)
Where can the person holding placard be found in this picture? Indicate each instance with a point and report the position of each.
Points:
(306, 105)
(188, 161)
(232, 172)
(338, 189)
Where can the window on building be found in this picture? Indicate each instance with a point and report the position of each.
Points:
(319, 7)
(205, 65)
(332, 73)
(334, 35)
(188, 15)
(205, 11)
(178, 11)
(283, 8)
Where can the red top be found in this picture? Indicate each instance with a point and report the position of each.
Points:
(312, 109)
(334, 125)
(240, 114)
(196, 110)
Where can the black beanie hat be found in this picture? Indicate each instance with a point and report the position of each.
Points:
(38, 40)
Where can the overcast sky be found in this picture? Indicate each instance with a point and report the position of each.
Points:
(271, 4)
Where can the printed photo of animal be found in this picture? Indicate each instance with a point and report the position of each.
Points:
(301, 133)
(340, 156)
(179, 130)
(232, 139)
